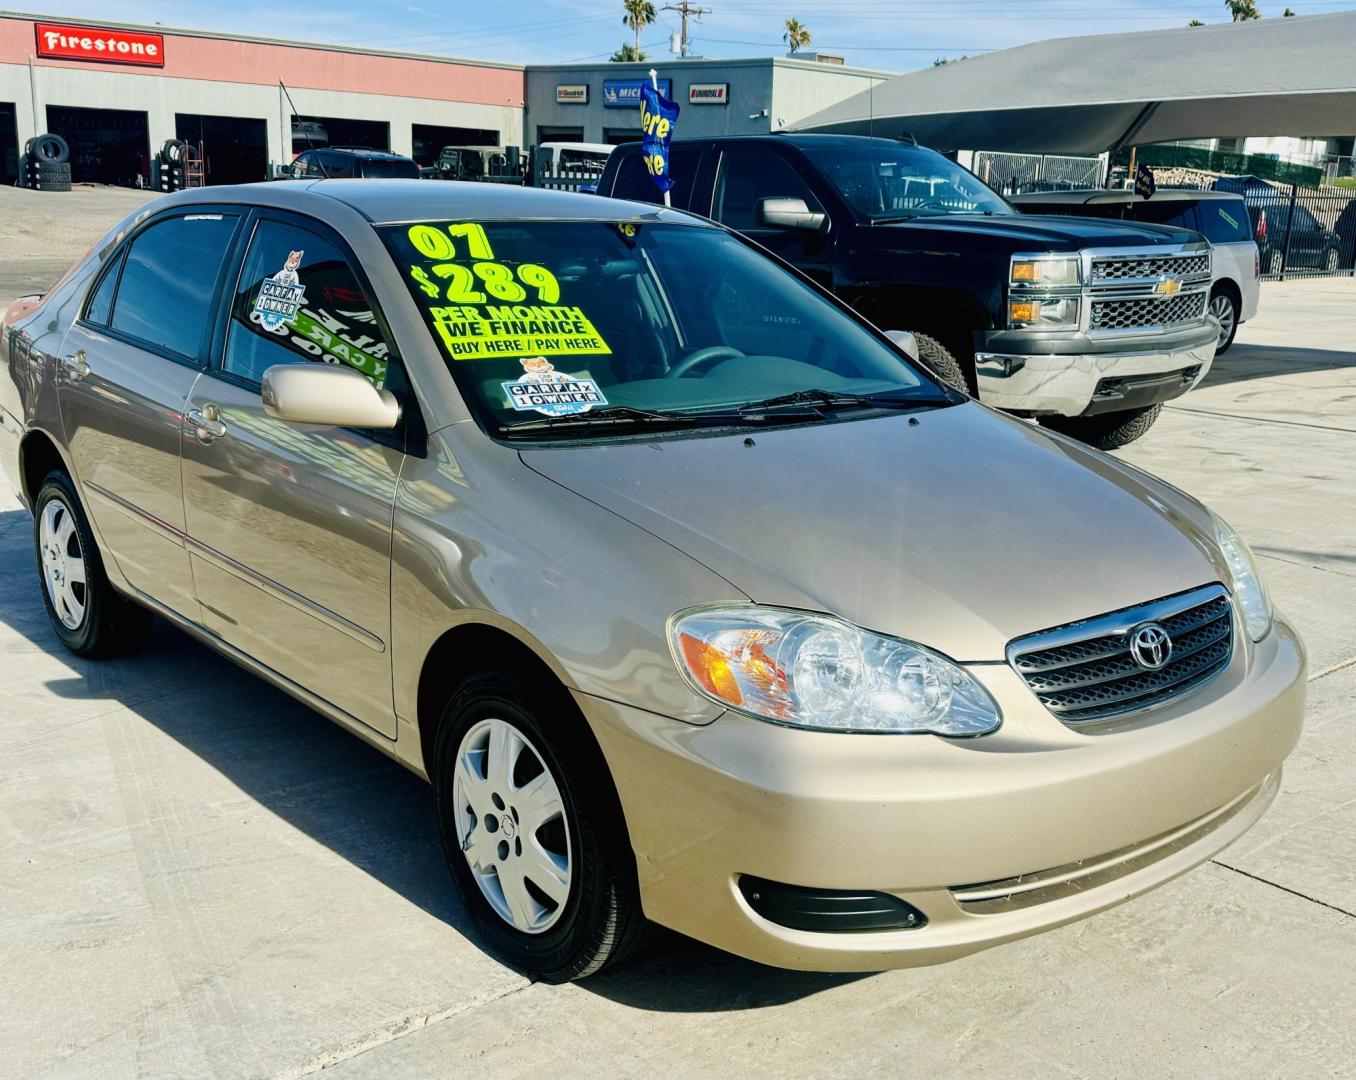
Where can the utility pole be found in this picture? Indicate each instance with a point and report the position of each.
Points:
(685, 9)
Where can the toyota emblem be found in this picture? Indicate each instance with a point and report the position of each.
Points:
(1150, 646)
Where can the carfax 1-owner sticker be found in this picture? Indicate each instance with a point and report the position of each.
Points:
(541, 388)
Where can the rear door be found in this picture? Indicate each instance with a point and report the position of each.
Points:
(289, 525)
(1224, 222)
(131, 359)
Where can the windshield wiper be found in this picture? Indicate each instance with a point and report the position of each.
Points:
(821, 400)
(610, 416)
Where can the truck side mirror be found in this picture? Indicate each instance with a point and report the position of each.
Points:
(782, 212)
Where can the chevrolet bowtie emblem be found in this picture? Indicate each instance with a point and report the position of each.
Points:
(1168, 286)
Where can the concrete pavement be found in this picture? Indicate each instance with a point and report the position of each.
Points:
(199, 877)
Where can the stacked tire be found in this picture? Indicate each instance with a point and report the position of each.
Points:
(171, 171)
(48, 163)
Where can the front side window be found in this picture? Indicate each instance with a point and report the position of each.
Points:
(170, 272)
(1174, 212)
(884, 181)
(100, 305)
(561, 318)
(298, 301)
(749, 176)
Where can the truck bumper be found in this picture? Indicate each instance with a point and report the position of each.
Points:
(1083, 384)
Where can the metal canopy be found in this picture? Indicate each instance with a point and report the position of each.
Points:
(1086, 95)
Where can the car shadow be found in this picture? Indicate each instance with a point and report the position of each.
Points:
(1243, 363)
(337, 790)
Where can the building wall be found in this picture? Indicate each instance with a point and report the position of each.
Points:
(239, 77)
(786, 89)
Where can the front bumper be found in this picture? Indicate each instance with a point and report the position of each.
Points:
(1096, 816)
(1084, 383)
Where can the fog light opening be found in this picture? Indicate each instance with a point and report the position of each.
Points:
(829, 911)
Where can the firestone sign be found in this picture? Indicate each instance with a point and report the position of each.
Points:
(99, 44)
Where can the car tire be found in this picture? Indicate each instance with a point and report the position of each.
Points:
(1107, 431)
(938, 359)
(89, 616)
(1225, 308)
(551, 887)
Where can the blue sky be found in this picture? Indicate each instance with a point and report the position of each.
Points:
(894, 35)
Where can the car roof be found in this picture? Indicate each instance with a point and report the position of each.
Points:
(1098, 196)
(390, 201)
(361, 151)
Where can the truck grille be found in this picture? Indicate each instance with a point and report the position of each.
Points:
(1151, 266)
(1147, 311)
(1086, 671)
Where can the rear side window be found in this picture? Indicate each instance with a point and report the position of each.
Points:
(1225, 221)
(164, 296)
(299, 300)
(633, 181)
(338, 166)
(749, 176)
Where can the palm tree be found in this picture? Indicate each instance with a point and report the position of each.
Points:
(796, 36)
(1243, 10)
(639, 14)
(1195, 22)
(628, 54)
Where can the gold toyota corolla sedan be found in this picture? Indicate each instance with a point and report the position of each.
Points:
(698, 599)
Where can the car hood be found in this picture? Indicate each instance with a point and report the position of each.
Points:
(1032, 232)
(960, 532)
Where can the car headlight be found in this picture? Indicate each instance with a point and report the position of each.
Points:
(815, 671)
(1060, 313)
(1054, 270)
(1249, 591)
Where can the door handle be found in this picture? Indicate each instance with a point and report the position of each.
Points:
(206, 423)
(75, 365)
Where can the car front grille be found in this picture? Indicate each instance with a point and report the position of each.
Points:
(1147, 311)
(1150, 266)
(1087, 671)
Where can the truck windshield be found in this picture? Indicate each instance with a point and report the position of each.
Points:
(883, 181)
(589, 322)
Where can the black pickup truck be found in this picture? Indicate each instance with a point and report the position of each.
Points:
(1087, 325)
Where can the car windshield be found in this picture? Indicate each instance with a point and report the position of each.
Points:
(587, 322)
(882, 181)
(390, 169)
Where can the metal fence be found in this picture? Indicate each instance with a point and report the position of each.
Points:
(1300, 232)
(546, 175)
(1017, 174)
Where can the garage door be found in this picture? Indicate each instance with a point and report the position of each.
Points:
(108, 146)
(234, 149)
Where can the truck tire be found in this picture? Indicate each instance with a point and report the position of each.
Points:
(173, 150)
(937, 358)
(51, 170)
(54, 185)
(48, 148)
(1107, 431)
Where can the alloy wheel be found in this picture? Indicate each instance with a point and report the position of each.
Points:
(1222, 308)
(63, 563)
(511, 826)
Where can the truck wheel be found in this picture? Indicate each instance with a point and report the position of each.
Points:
(532, 830)
(1107, 431)
(935, 356)
(88, 615)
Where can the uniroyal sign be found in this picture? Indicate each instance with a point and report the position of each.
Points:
(96, 43)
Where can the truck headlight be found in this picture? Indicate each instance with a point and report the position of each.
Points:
(1054, 270)
(815, 671)
(1036, 314)
(1249, 591)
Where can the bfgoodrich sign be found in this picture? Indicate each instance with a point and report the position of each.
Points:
(574, 94)
(60, 42)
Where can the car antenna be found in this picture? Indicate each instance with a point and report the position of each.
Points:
(907, 136)
(324, 172)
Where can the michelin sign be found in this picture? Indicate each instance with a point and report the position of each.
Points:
(625, 93)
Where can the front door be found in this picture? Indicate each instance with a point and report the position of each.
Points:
(290, 524)
(748, 176)
(128, 365)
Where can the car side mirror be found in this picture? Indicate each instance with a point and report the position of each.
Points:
(782, 212)
(905, 341)
(312, 393)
